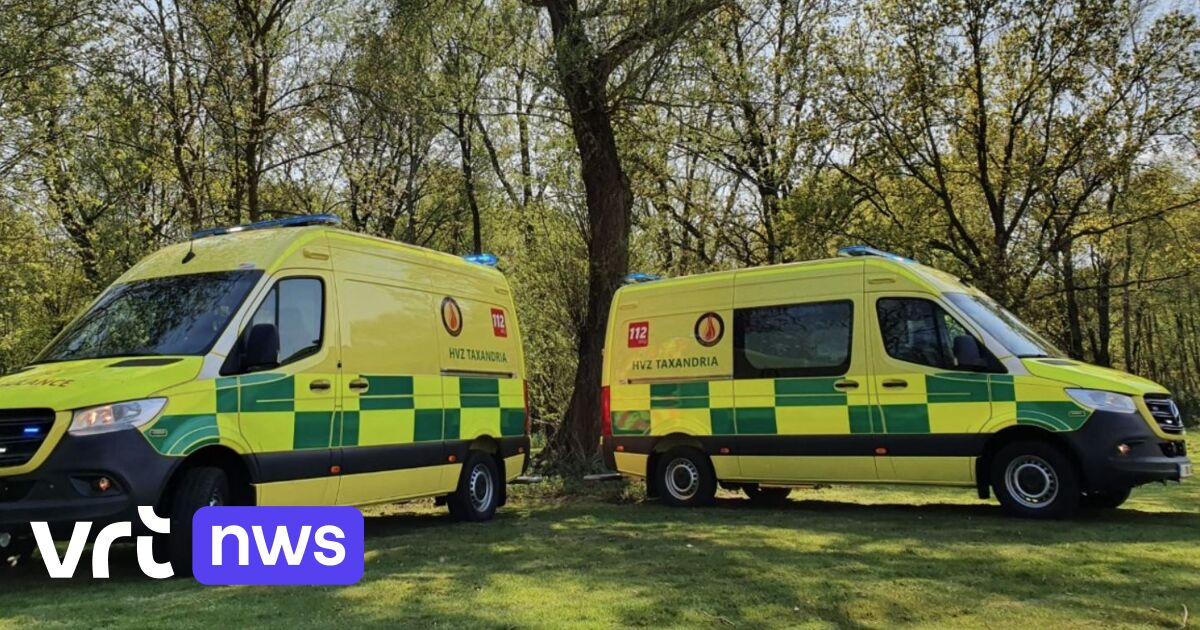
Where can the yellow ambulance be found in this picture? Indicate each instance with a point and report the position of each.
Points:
(280, 363)
(868, 368)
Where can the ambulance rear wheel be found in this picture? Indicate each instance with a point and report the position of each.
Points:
(1036, 480)
(766, 495)
(479, 489)
(685, 478)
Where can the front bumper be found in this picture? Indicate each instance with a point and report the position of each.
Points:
(1150, 458)
(62, 490)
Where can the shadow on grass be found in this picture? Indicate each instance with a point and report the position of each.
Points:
(848, 564)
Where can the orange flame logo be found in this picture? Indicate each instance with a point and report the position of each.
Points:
(710, 328)
(452, 316)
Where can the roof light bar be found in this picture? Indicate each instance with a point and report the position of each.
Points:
(638, 278)
(300, 221)
(487, 260)
(863, 250)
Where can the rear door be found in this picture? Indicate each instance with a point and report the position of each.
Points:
(391, 442)
(801, 378)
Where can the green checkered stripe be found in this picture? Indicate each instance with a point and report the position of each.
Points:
(940, 390)
(313, 429)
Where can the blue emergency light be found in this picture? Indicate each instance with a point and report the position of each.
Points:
(300, 221)
(863, 250)
(638, 278)
(487, 260)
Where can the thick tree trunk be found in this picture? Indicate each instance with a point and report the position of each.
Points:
(610, 207)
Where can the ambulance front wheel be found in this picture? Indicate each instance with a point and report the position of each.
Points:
(201, 487)
(479, 489)
(1036, 480)
(685, 477)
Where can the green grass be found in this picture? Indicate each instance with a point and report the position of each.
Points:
(871, 557)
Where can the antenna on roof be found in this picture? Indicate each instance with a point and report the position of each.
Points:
(187, 258)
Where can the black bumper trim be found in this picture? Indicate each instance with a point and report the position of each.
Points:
(60, 493)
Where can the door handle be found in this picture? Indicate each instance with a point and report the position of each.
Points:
(895, 383)
(360, 385)
(320, 385)
(845, 384)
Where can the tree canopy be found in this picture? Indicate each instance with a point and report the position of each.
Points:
(1044, 151)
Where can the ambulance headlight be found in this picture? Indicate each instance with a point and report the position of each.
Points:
(117, 416)
(1103, 401)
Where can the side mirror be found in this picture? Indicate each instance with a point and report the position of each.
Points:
(261, 350)
(968, 354)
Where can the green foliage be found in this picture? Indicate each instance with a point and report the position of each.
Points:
(771, 133)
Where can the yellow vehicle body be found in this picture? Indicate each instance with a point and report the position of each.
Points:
(413, 363)
(683, 367)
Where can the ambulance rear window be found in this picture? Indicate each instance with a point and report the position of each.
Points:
(793, 340)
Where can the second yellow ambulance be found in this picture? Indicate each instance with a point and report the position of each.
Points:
(869, 368)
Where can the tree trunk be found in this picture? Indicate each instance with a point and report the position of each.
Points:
(466, 154)
(1074, 324)
(610, 208)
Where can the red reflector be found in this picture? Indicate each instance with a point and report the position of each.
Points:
(452, 458)
(335, 470)
(621, 448)
(606, 428)
(724, 450)
(881, 451)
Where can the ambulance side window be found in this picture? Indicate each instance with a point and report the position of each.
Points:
(919, 331)
(296, 308)
(793, 340)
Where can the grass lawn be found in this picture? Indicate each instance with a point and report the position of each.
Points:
(841, 557)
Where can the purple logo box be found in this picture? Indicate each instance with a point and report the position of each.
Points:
(234, 545)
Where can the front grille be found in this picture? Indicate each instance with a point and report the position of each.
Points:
(22, 431)
(1165, 413)
(1174, 449)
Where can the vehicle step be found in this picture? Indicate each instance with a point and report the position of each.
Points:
(608, 476)
(525, 480)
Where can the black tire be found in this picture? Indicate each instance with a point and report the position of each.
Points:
(768, 495)
(1036, 480)
(479, 489)
(1110, 500)
(685, 478)
(200, 487)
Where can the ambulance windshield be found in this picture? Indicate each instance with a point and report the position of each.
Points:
(1015, 335)
(177, 315)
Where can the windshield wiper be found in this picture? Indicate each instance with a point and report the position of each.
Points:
(1033, 356)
